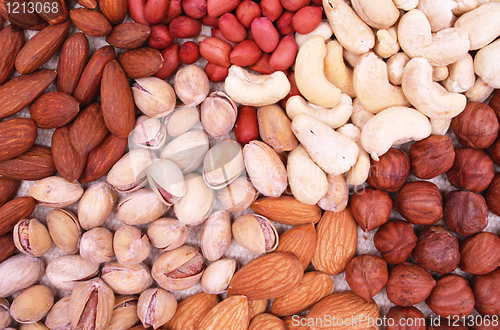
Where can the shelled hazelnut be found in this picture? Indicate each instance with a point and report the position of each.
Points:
(465, 212)
(432, 156)
(472, 170)
(395, 241)
(476, 126)
(452, 296)
(420, 203)
(371, 208)
(390, 172)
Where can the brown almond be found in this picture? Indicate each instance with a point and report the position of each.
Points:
(11, 39)
(300, 241)
(287, 210)
(15, 210)
(69, 163)
(90, 81)
(35, 164)
(72, 60)
(266, 321)
(91, 22)
(266, 277)
(7, 246)
(295, 322)
(114, 10)
(16, 137)
(54, 109)
(88, 120)
(19, 92)
(58, 12)
(129, 35)
(229, 314)
(117, 103)
(90, 4)
(40, 48)
(141, 62)
(103, 157)
(257, 307)
(191, 310)
(8, 189)
(20, 18)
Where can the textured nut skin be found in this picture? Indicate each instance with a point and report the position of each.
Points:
(69, 163)
(170, 61)
(15, 210)
(492, 195)
(420, 203)
(216, 8)
(184, 27)
(278, 209)
(487, 293)
(8, 189)
(232, 314)
(480, 253)
(89, 119)
(128, 35)
(115, 11)
(432, 156)
(494, 151)
(472, 170)
(13, 39)
(7, 247)
(191, 310)
(452, 296)
(301, 241)
(271, 9)
(91, 22)
(35, 164)
(390, 172)
(398, 313)
(195, 8)
(160, 38)
(17, 136)
(371, 208)
(284, 23)
(54, 109)
(247, 11)
(231, 28)
(266, 321)
(476, 126)
(367, 275)
(409, 284)
(72, 60)
(141, 62)
(465, 212)
(294, 5)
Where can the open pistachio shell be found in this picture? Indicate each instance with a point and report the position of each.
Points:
(217, 276)
(216, 235)
(67, 271)
(167, 234)
(196, 205)
(141, 207)
(255, 233)
(238, 195)
(149, 133)
(19, 272)
(56, 191)
(58, 318)
(4, 314)
(223, 164)
(96, 205)
(64, 229)
(187, 150)
(156, 307)
(131, 245)
(126, 279)
(166, 180)
(128, 174)
(33, 326)
(218, 114)
(32, 238)
(32, 304)
(124, 314)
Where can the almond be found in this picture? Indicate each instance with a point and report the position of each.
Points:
(22, 19)
(91, 22)
(16, 137)
(287, 210)
(190, 311)
(295, 322)
(11, 39)
(69, 163)
(114, 10)
(266, 321)
(8, 189)
(7, 247)
(300, 241)
(141, 62)
(19, 92)
(58, 12)
(266, 277)
(257, 307)
(337, 240)
(72, 60)
(129, 35)
(54, 109)
(230, 314)
(35, 164)
(313, 287)
(15, 210)
(89, 120)
(40, 48)
(90, 4)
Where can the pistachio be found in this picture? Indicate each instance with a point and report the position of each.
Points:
(128, 174)
(218, 114)
(167, 234)
(96, 205)
(141, 207)
(187, 150)
(337, 195)
(19, 272)
(238, 195)
(156, 307)
(182, 120)
(166, 180)
(67, 271)
(58, 317)
(191, 84)
(91, 305)
(255, 233)
(149, 133)
(4, 314)
(123, 279)
(216, 235)
(153, 96)
(32, 238)
(217, 276)
(178, 269)
(33, 326)
(96, 245)
(56, 191)
(131, 245)
(223, 163)
(196, 205)
(64, 230)
(124, 314)
(32, 304)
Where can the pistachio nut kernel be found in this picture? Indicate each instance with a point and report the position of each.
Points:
(64, 229)
(238, 195)
(216, 235)
(141, 207)
(191, 84)
(32, 238)
(255, 233)
(182, 120)
(58, 318)
(96, 205)
(124, 314)
(19, 272)
(167, 234)
(96, 245)
(4, 313)
(129, 173)
(187, 150)
(32, 304)
(56, 191)
(153, 96)
(218, 114)
(131, 245)
(67, 271)
(197, 204)
(166, 180)
(33, 326)
(149, 133)
(156, 307)
(126, 279)
(217, 276)
(223, 164)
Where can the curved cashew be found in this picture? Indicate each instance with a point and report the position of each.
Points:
(334, 117)
(310, 75)
(406, 5)
(429, 97)
(440, 126)
(335, 153)
(479, 92)
(360, 116)
(324, 29)
(482, 24)
(379, 14)
(387, 43)
(439, 13)
(462, 75)
(335, 69)
(359, 172)
(465, 6)
(350, 30)
(487, 64)
(440, 73)
(351, 58)
(371, 83)
(393, 124)
(337, 196)
(395, 66)
(254, 89)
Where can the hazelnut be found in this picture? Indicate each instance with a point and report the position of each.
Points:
(409, 284)
(452, 296)
(494, 151)
(472, 170)
(371, 208)
(480, 253)
(465, 212)
(493, 195)
(413, 318)
(395, 240)
(437, 250)
(476, 126)
(390, 172)
(420, 203)
(495, 103)
(487, 293)
(367, 275)
(432, 156)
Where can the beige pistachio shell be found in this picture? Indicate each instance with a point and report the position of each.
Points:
(217, 276)
(216, 235)
(337, 196)
(19, 272)
(141, 207)
(96, 205)
(56, 191)
(196, 205)
(182, 120)
(154, 96)
(166, 180)
(255, 233)
(149, 133)
(32, 304)
(124, 314)
(129, 173)
(126, 279)
(187, 150)
(131, 246)
(4, 314)
(222, 164)
(67, 271)
(167, 234)
(156, 307)
(96, 245)
(191, 84)
(58, 318)
(238, 195)
(64, 229)
(32, 238)
(218, 114)
(33, 326)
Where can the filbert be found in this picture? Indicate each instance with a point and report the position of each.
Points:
(494, 151)
(472, 170)
(495, 103)
(452, 296)
(390, 172)
(367, 275)
(420, 203)
(465, 212)
(371, 208)
(395, 241)
(480, 253)
(493, 195)
(398, 313)
(476, 126)
(409, 284)
(487, 293)
(432, 156)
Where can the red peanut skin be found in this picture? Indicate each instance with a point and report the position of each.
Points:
(195, 8)
(160, 38)
(271, 9)
(317, 2)
(216, 73)
(218, 34)
(245, 53)
(210, 21)
(294, 90)
(247, 11)
(174, 10)
(294, 5)
(170, 61)
(216, 8)
(265, 34)
(284, 23)
(184, 27)
(215, 51)
(136, 10)
(262, 66)
(189, 52)
(231, 28)
(284, 55)
(155, 11)
(307, 19)
(246, 127)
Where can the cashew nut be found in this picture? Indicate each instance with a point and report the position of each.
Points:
(335, 69)
(350, 30)
(372, 86)
(440, 126)
(395, 66)
(406, 5)
(324, 29)
(479, 92)
(310, 75)
(387, 43)
(440, 73)
(360, 115)
(439, 13)
(254, 89)
(337, 196)
(351, 58)
(462, 75)
(335, 153)
(379, 14)
(487, 64)
(482, 24)
(393, 124)
(334, 117)
(359, 172)
(440, 49)
(465, 6)
(429, 97)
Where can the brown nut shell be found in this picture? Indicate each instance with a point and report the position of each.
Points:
(487, 293)
(371, 208)
(465, 212)
(476, 126)
(480, 253)
(472, 170)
